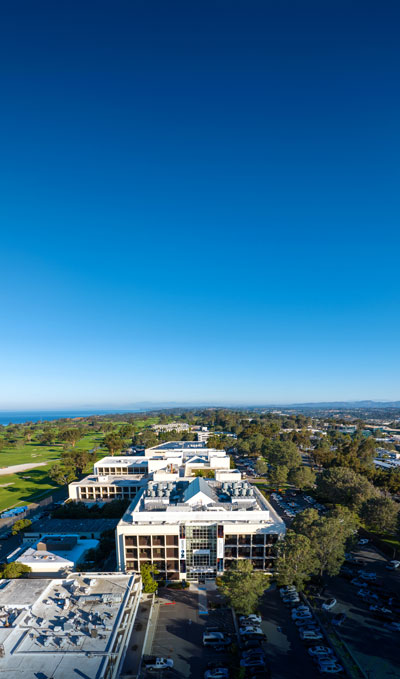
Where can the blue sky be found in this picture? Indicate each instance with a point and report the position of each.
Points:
(199, 202)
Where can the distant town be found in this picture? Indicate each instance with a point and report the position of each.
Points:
(210, 542)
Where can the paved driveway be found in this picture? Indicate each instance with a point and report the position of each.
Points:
(179, 633)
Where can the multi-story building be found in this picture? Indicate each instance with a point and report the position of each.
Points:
(121, 477)
(194, 529)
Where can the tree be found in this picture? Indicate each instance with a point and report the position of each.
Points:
(71, 435)
(20, 525)
(48, 436)
(113, 442)
(62, 475)
(14, 570)
(341, 485)
(302, 478)
(278, 475)
(242, 586)
(282, 453)
(147, 570)
(303, 522)
(380, 514)
(261, 466)
(296, 561)
(77, 459)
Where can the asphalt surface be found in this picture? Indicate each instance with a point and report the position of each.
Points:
(287, 654)
(179, 633)
(375, 647)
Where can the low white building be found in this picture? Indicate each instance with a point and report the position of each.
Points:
(53, 554)
(78, 626)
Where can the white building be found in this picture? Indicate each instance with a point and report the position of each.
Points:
(172, 426)
(193, 529)
(53, 554)
(73, 627)
(122, 477)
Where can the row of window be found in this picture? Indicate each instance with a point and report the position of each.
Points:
(233, 552)
(162, 566)
(149, 540)
(120, 471)
(251, 538)
(155, 553)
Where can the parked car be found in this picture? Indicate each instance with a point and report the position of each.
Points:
(320, 650)
(300, 615)
(217, 673)
(153, 663)
(367, 575)
(291, 601)
(252, 618)
(331, 668)
(393, 565)
(329, 604)
(338, 619)
(311, 635)
(363, 541)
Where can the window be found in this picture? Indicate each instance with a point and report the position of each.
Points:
(144, 541)
(145, 553)
(172, 552)
(258, 539)
(244, 539)
(244, 552)
(201, 560)
(231, 552)
(172, 540)
(231, 539)
(172, 565)
(158, 540)
(131, 540)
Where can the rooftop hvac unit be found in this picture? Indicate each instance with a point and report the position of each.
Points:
(153, 493)
(159, 493)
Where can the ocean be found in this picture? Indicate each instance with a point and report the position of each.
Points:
(19, 416)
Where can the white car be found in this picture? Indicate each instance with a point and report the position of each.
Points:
(330, 603)
(392, 565)
(250, 629)
(291, 599)
(363, 541)
(330, 668)
(311, 635)
(217, 673)
(320, 650)
(158, 663)
(252, 618)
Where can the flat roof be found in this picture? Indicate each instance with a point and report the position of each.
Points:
(33, 556)
(71, 526)
(43, 636)
(118, 461)
(111, 480)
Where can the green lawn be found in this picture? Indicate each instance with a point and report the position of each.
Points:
(27, 453)
(33, 484)
(25, 487)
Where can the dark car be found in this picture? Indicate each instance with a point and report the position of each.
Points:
(5, 536)
(339, 619)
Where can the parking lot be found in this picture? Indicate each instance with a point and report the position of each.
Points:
(375, 647)
(179, 634)
(290, 502)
